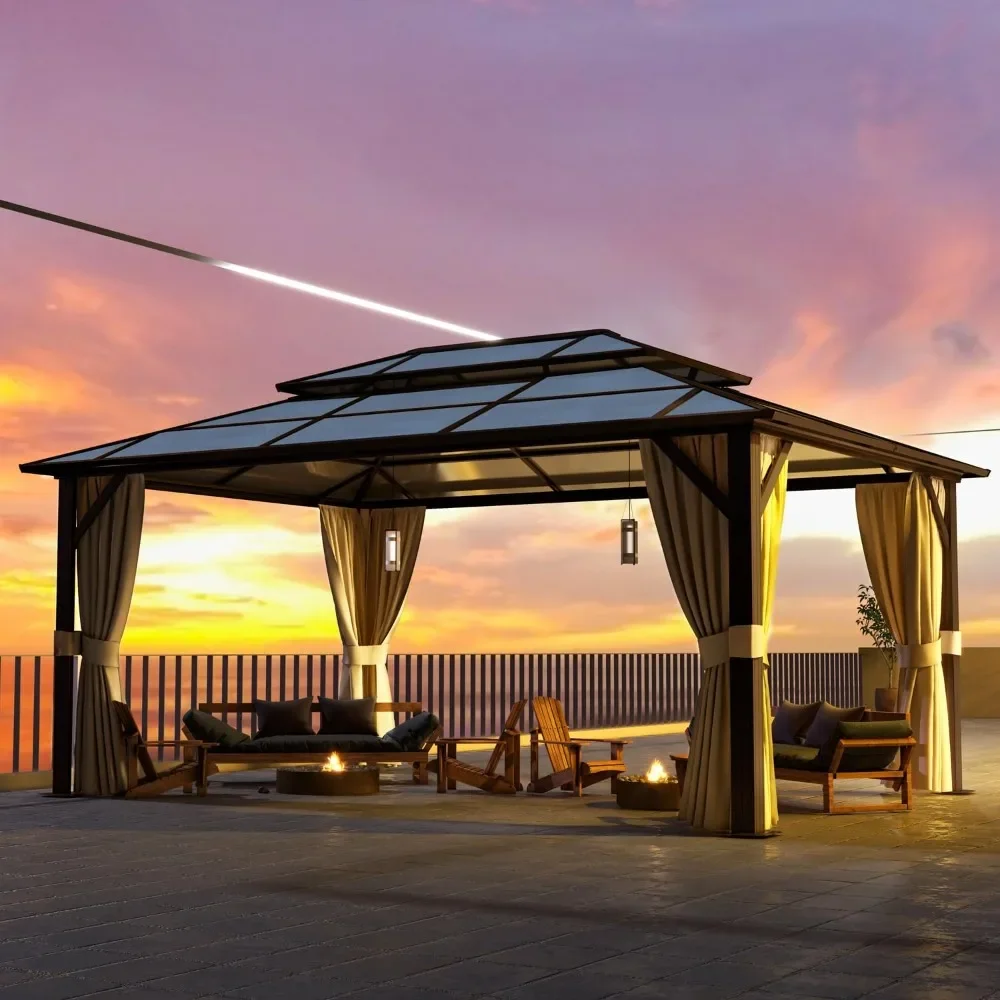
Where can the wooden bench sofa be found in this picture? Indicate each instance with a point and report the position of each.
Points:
(862, 749)
(409, 743)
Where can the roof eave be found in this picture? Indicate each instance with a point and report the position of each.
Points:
(458, 440)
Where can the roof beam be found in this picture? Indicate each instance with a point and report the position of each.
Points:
(538, 470)
(690, 469)
(842, 482)
(94, 511)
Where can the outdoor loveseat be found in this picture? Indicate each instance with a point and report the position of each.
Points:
(821, 743)
(284, 734)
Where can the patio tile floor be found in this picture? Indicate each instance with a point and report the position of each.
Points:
(414, 896)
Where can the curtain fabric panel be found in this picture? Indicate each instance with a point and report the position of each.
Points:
(694, 535)
(106, 563)
(368, 599)
(903, 551)
(772, 520)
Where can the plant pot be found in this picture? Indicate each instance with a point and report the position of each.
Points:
(885, 699)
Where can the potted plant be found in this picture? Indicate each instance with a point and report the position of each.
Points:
(872, 623)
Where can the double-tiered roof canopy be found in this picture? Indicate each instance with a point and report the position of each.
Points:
(529, 420)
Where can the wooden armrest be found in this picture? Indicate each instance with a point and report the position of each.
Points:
(179, 743)
(580, 739)
(470, 739)
(562, 743)
(899, 741)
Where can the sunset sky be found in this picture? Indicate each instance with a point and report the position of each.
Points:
(804, 192)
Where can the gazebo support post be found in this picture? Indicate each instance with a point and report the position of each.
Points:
(62, 671)
(951, 662)
(745, 608)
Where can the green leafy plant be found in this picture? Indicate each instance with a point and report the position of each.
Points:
(872, 623)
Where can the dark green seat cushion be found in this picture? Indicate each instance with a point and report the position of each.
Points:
(791, 721)
(347, 715)
(412, 734)
(283, 718)
(870, 758)
(795, 756)
(315, 743)
(209, 729)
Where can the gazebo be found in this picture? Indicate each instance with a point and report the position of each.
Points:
(585, 415)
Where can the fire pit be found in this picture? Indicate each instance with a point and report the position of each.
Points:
(331, 778)
(655, 790)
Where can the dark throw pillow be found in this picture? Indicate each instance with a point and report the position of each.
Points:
(209, 729)
(412, 734)
(347, 717)
(283, 718)
(791, 722)
(824, 728)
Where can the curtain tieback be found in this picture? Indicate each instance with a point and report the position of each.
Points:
(97, 652)
(951, 643)
(917, 655)
(361, 656)
(745, 641)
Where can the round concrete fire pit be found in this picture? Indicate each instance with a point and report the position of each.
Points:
(636, 791)
(311, 779)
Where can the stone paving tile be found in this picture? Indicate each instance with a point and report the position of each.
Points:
(251, 898)
(835, 985)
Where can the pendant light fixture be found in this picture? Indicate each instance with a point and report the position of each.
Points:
(393, 544)
(392, 551)
(630, 526)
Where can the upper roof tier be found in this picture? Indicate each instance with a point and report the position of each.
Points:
(516, 358)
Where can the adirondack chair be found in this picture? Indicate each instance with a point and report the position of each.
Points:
(192, 772)
(569, 770)
(450, 770)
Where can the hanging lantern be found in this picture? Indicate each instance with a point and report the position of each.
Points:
(630, 541)
(393, 558)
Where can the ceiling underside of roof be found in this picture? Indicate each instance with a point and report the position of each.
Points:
(534, 473)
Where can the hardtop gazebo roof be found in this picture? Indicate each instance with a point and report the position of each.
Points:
(531, 419)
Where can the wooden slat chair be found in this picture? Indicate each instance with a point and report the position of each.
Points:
(191, 772)
(569, 770)
(507, 746)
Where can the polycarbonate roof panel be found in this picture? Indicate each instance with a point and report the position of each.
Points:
(611, 380)
(573, 410)
(425, 398)
(286, 409)
(376, 425)
(707, 402)
(598, 343)
(469, 357)
(81, 456)
(373, 369)
(197, 439)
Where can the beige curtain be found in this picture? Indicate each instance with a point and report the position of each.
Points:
(367, 598)
(903, 552)
(772, 519)
(106, 562)
(694, 535)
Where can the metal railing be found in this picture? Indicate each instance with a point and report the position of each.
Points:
(470, 692)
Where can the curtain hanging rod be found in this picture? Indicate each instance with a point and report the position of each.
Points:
(250, 272)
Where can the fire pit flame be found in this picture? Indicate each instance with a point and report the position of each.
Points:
(657, 773)
(333, 763)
